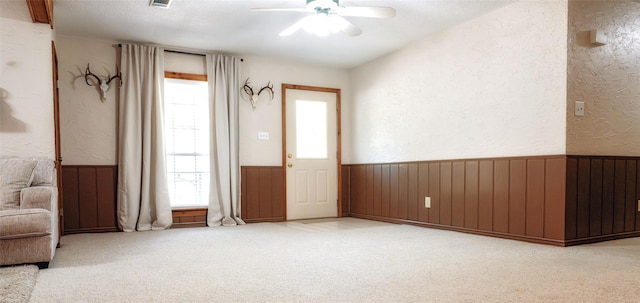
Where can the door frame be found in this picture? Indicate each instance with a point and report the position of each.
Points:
(56, 133)
(338, 138)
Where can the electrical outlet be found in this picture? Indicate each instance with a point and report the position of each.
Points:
(427, 202)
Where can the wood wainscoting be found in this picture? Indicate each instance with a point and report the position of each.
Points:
(517, 198)
(89, 194)
(602, 198)
(189, 217)
(262, 197)
(558, 200)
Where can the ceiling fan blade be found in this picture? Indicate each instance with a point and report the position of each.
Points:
(299, 10)
(367, 11)
(348, 27)
(295, 27)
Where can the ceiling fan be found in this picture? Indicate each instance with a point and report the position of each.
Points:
(327, 16)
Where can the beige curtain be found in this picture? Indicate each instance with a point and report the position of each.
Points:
(224, 90)
(143, 195)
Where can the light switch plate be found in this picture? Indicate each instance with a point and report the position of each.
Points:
(427, 202)
(263, 136)
(579, 110)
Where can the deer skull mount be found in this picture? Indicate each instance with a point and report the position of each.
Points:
(254, 97)
(103, 83)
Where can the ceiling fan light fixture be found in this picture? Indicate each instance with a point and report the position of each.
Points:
(323, 24)
(328, 17)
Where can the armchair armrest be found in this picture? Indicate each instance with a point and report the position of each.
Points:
(45, 197)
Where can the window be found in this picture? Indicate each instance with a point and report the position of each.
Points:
(311, 130)
(187, 141)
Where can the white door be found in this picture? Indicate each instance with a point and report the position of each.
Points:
(311, 154)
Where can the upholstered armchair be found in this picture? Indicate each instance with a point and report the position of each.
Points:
(28, 211)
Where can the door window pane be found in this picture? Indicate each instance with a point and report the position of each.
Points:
(311, 130)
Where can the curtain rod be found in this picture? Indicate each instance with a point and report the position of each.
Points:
(182, 52)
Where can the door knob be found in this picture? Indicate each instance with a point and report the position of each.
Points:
(289, 156)
(290, 165)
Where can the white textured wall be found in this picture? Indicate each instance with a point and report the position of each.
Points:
(494, 86)
(606, 78)
(267, 116)
(88, 125)
(185, 63)
(26, 85)
(89, 129)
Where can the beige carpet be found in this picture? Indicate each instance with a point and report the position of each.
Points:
(16, 283)
(346, 260)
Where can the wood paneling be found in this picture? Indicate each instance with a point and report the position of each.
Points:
(619, 194)
(89, 194)
(601, 198)
(190, 217)
(636, 208)
(501, 196)
(70, 204)
(88, 197)
(571, 203)
(630, 197)
(377, 190)
(471, 184)
(370, 190)
(423, 191)
(394, 190)
(41, 11)
(262, 196)
(358, 189)
(412, 205)
(434, 192)
(582, 212)
(608, 194)
(559, 200)
(403, 190)
(445, 193)
(385, 191)
(554, 198)
(535, 198)
(519, 198)
(485, 195)
(106, 178)
(595, 198)
(457, 194)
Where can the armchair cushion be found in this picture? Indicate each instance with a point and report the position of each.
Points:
(22, 223)
(16, 175)
(38, 197)
(44, 172)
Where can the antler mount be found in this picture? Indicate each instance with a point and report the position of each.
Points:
(103, 84)
(254, 97)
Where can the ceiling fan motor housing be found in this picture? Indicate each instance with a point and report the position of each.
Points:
(323, 4)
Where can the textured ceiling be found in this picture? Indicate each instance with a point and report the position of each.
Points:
(229, 26)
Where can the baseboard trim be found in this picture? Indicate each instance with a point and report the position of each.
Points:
(602, 238)
(261, 220)
(536, 240)
(91, 230)
(189, 224)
